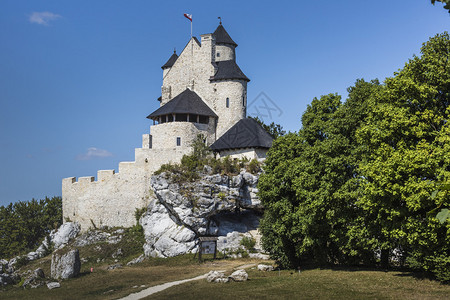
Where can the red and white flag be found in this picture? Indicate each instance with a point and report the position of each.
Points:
(189, 16)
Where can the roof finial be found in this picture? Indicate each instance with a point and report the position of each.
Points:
(220, 22)
(174, 50)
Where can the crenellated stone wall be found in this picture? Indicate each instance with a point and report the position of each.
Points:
(112, 199)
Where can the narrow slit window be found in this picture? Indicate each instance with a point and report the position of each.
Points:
(228, 102)
(150, 141)
(178, 141)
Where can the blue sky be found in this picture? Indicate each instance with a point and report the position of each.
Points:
(78, 78)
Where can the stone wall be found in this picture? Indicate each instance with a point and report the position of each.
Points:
(164, 136)
(113, 198)
(225, 52)
(194, 68)
(250, 153)
(235, 91)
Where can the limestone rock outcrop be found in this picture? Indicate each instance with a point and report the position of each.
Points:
(180, 212)
(262, 267)
(217, 276)
(64, 234)
(66, 265)
(239, 275)
(58, 238)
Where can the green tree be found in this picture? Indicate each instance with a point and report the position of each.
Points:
(275, 130)
(445, 2)
(408, 136)
(309, 186)
(23, 225)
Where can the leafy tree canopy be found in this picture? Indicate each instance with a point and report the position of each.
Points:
(275, 130)
(445, 2)
(358, 178)
(23, 225)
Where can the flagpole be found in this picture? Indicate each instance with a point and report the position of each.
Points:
(190, 83)
(192, 59)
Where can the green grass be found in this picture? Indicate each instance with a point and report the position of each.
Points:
(313, 284)
(309, 284)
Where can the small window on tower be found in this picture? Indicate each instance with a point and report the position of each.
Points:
(178, 141)
(218, 54)
(228, 102)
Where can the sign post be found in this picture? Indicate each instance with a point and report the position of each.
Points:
(207, 245)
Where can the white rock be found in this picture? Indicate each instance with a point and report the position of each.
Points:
(262, 267)
(66, 265)
(250, 179)
(180, 213)
(239, 275)
(64, 234)
(137, 260)
(53, 285)
(33, 256)
(115, 266)
(39, 273)
(259, 256)
(216, 276)
(164, 237)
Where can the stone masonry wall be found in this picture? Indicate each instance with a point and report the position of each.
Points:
(235, 91)
(250, 153)
(109, 201)
(225, 52)
(113, 198)
(194, 68)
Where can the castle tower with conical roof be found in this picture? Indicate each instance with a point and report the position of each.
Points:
(208, 69)
(203, 92)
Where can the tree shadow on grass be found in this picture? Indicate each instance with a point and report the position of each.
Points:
(401, 271)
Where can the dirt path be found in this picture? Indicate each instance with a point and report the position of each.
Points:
(161, 287)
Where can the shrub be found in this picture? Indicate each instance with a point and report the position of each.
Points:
(254, 166)
(221, 196)
(249, 243)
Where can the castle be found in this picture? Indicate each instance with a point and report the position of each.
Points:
(203, 92)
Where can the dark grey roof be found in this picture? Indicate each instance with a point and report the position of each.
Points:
(228, 69)
(171, 61)
(247, 133)
(222, 36)
(187, 102)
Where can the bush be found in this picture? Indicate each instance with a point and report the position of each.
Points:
(254, 166)
(249, 243)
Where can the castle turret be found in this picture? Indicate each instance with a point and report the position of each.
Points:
(225, 46)
(230, 83)
(168, 65)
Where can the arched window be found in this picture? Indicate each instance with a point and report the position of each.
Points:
(228, 102)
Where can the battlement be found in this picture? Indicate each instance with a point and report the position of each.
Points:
(102, 176)
(111, 200)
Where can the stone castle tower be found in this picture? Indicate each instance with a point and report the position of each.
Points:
(204, 87)
(204, 92)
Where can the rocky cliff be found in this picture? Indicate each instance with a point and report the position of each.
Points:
(181, 212)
